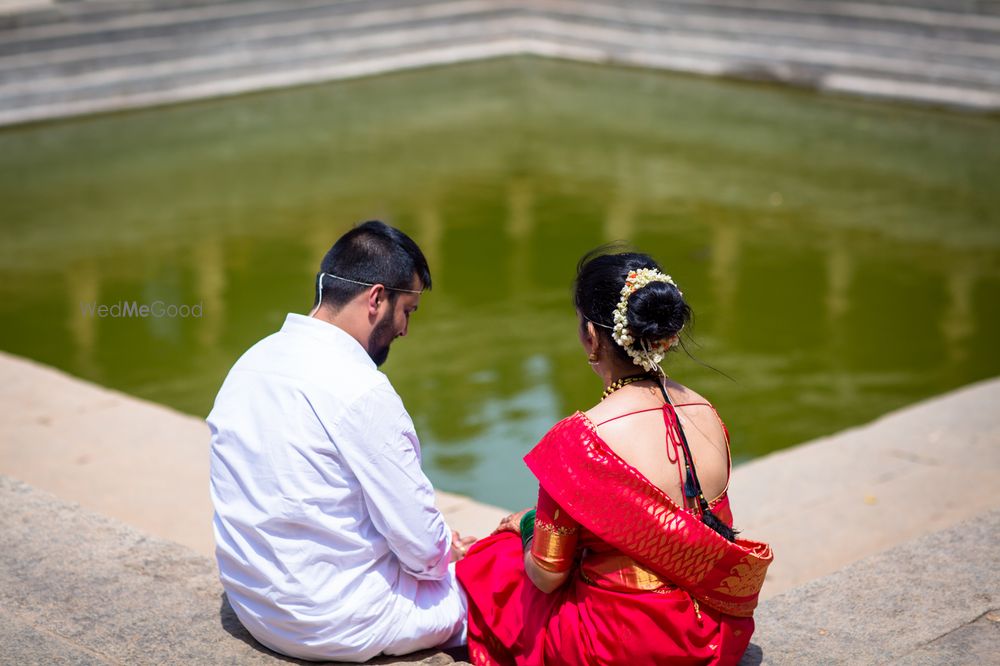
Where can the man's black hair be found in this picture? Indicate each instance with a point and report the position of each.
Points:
(372, 253)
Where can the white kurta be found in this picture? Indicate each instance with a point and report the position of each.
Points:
(328, 542)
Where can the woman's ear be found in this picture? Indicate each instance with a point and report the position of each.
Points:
(592, 341)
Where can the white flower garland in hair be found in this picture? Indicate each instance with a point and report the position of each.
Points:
(648, 357)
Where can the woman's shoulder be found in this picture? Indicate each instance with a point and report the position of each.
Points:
(571, 430)
(561, 439)
(599, 412)
(699, 410)
(574, 422)
(685, 395)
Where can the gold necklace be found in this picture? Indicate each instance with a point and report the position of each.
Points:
(623, 382)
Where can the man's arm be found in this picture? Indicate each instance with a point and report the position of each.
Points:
(398, 495)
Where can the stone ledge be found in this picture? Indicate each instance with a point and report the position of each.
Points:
(929, 601)
(76, 587)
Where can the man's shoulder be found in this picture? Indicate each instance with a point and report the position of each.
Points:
(371, 392)
(332, 380)
(276, 366)
(301, 358)
(353, 387)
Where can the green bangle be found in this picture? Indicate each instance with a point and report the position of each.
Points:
(527, 528)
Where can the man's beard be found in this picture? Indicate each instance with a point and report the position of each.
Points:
(380, 339)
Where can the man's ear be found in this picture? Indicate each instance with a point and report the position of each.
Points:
(376, 298)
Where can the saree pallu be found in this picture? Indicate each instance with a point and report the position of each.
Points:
(684, 594)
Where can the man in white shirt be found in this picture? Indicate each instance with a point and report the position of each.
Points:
(327, 538)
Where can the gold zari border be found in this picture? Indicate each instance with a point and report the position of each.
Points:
(553, 550)
(556, 529)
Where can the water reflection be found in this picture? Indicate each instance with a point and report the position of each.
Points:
(83, 286)
(209, 288)
(724, 275)
(839, 267)
(830, 285)
(958, 323)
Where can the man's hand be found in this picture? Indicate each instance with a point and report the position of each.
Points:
(512, 523)
(460, 545)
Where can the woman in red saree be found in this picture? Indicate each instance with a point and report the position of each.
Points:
(623, 560)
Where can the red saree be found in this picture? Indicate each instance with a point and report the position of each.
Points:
(651, 584)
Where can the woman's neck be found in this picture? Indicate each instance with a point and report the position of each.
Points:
(618, 371)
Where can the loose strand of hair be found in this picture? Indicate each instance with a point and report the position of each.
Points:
(698, 360)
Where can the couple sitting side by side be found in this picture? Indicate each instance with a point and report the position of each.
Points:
(327, 538)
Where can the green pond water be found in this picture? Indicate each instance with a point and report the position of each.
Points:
(842, 257)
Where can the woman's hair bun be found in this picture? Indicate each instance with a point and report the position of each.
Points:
(657, 312)
(654, 313)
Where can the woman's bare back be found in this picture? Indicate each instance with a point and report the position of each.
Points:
(641, 439)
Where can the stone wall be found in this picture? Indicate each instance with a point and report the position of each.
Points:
(76, 57)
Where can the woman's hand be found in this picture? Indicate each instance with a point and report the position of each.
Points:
(460, 546)
(511, 523)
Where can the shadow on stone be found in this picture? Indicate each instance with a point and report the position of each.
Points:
(754, 656)
(459, 654)
(232, 625)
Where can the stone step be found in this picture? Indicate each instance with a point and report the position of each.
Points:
(878, 13)
(446, 53)
(801, 27)
(974, 6)
(47, 13)
(719, 54)
(167, 47)
(104, 54)
(120, 56)
(887, 58)
(791, 50)
(933, 13)
(450, 53)
(208, 19)
(235, 63)
(755, 18)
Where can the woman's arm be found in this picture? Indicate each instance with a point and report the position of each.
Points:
(551, 552)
